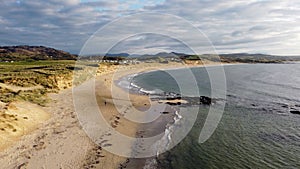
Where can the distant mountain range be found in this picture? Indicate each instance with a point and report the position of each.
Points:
(20, 53)
(235, 57)
(117, 55)
(175, 54)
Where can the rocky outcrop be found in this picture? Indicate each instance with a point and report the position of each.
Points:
(205, 100)
(177, 99)
(295, 109)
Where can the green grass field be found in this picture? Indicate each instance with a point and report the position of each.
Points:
(31, 81)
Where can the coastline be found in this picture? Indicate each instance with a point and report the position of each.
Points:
(140, 130)
(53, 145)
(107, 83)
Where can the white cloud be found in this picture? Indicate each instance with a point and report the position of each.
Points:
(232, 26)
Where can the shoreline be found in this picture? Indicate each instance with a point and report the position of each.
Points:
(53, 145)
(132, 75)
(139, 101)
(107, 83)
(163, 123)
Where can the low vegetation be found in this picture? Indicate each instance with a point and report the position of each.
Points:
(31, 81)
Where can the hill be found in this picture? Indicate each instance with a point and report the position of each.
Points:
(234, 57)
(21, 53)
(31, 53)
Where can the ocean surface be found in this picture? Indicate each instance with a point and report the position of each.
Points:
(256, 130)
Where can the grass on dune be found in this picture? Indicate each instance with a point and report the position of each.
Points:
(51, 75)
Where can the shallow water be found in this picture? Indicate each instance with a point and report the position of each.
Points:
(256, 130)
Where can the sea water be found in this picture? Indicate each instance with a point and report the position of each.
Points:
(256, 130)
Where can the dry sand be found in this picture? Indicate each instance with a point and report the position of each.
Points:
(60, 141)
(18, 119)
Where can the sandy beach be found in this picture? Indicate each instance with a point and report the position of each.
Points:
(60, 142)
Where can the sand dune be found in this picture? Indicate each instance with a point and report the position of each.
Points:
(18, 88)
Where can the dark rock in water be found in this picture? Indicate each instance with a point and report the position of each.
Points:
(165, 112)
(173, 103)
(174, 98)
(205, 100)
(295, 111)
(183, 100)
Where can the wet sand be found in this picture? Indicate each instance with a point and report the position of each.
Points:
(116, 107)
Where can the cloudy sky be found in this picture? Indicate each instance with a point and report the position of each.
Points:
(253, 26)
